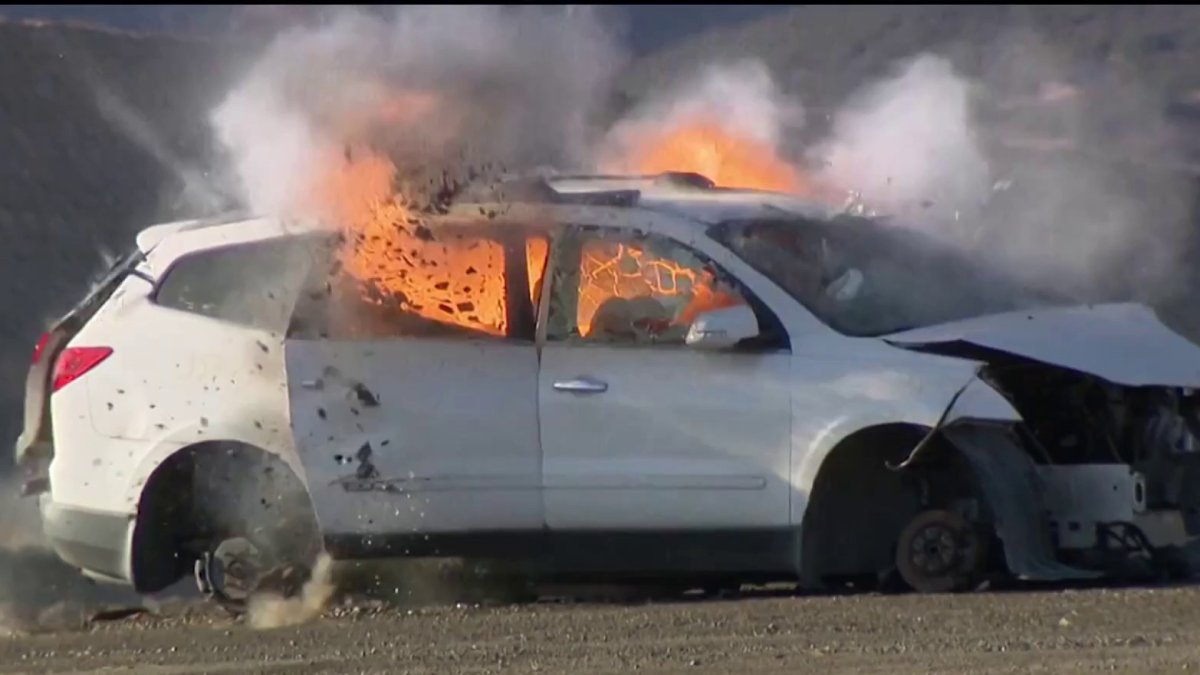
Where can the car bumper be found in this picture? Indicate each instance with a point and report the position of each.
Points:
(98, 543)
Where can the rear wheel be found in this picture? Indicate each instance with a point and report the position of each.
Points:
(237, 568)
(941, 552)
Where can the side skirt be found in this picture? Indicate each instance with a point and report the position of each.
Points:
(768, 552)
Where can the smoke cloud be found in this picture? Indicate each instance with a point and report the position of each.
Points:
(435, 88)
(1022, 162)
(908, 147)
(445, 89)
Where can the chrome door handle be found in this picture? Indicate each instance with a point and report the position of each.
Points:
(581, 385)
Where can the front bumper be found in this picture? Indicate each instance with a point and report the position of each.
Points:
(98, 543)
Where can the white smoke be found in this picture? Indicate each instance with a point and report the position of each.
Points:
(509, 86)
(907, 145)
(934, 148)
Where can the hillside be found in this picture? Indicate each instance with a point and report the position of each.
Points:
(826, 51)
(95, 130)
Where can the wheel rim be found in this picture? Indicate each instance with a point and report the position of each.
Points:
(939, 552)
(235, 569)
(936, 549)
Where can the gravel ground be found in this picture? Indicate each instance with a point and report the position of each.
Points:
(1130, 630)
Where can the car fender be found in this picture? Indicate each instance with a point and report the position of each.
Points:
(165, 446)
(866, 399)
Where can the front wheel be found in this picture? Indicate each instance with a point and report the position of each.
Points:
(941, 552)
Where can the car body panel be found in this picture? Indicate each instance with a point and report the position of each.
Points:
(681, 439)
(450, 444)
(1123, 343)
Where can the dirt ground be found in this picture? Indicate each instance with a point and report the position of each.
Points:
(1146, 630)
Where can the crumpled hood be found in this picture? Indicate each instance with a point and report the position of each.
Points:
(1123, 343)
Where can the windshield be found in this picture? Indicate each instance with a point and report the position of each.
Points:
(865, 278)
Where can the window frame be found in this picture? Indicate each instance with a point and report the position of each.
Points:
(773, 336)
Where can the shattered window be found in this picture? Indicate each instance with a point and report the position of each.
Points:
(866, 278)
(250, 284)
(619, 286)
(420, 282)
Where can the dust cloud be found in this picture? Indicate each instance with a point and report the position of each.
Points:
(39, 592)
(270, 610)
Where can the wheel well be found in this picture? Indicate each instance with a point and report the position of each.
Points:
(207, 491)
(858, 505)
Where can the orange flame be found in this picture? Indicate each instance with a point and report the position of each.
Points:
(621, 270)
(729, 159)
(397, 261)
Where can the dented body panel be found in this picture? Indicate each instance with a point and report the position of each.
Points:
(1123, 343)
(417, 435)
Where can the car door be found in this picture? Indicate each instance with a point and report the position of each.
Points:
(413, 385)
(640, 431)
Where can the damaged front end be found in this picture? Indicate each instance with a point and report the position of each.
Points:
(1096, 481)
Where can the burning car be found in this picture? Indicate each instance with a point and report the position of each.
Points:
(640, 377)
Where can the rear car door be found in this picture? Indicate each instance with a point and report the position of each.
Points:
(412, 379)
(640, 431)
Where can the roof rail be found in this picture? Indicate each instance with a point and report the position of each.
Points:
(537, 190)
(681, 178)
(686, 178)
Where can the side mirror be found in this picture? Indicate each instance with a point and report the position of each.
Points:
(722, 328)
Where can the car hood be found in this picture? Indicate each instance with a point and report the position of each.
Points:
(1123, 343)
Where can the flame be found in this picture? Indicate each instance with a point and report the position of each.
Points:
(398, 262)
(623, 270)
(708, 148)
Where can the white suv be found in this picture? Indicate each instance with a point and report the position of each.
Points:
(638, 377)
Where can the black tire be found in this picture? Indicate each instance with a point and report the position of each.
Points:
(941, 552)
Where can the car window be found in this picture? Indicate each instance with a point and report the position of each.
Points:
(252, 284)
(424, 282)
(623, 287)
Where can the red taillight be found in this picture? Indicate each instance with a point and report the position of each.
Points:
(41, 344)
(77, 361)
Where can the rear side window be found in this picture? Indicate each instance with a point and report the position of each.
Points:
(251, 285)
(445, 282)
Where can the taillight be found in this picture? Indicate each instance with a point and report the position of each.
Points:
(75, 362)
(41, 344)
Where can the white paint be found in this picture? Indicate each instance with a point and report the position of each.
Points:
(1123, 343)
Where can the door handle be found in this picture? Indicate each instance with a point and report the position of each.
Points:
(315, 385)
(581, 385)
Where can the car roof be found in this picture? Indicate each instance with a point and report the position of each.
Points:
(689, 197)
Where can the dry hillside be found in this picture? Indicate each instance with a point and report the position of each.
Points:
(96, 129)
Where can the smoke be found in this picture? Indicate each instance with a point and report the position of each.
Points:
(1025, 162)
(434, 88)
(908, 146)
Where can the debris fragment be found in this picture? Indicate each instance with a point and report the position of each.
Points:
(365, 396)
